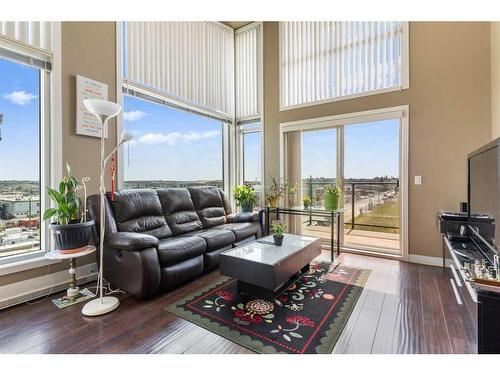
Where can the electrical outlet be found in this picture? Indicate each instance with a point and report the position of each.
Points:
(418, 180)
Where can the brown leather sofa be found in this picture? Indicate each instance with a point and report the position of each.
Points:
(158, 239)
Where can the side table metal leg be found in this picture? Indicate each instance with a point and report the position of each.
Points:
(338, 234)
(332, 229)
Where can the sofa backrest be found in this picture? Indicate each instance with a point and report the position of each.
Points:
(178, 209)
(139, 210)
(209, 205)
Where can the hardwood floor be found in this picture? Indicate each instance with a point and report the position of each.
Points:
(405, 308)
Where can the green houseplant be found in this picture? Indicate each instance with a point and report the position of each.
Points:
(245, 197)
(332, 195)
(70, 230)
(307, 202)
(275, 191)
(278, 228)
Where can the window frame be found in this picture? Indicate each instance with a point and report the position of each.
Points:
(405, 76)
(50, 139)
(240, 153)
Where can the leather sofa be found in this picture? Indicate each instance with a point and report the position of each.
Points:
(158, 239)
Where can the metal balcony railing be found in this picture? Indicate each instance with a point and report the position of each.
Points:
(363, 200)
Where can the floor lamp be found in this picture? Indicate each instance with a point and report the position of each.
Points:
(104, 111)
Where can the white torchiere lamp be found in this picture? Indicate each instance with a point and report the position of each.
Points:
(103, 110)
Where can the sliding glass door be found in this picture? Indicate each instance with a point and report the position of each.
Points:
(363, 158)
(371, 185)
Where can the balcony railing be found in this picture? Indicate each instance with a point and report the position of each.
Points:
(370, 205)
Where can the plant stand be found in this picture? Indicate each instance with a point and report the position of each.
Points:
(73, 291)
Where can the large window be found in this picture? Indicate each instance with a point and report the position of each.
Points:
(171, 147)
(250, 166)
(19, 159)
(325, 61)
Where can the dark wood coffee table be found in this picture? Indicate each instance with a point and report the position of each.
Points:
(265, 270)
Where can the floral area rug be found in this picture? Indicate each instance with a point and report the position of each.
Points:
(309, 317)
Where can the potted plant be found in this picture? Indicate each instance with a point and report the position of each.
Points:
(275, 191)
(69, 227)
(278, 229)
(332, 195)
(245, 197)
(307, 202)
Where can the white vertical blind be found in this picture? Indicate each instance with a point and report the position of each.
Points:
(188, 61)
(248, 61)
(35, 34)
(321, 61)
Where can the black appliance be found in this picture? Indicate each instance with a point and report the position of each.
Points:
(483, 197)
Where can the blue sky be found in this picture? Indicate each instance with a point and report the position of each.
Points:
(170, 144)
(371, 150)
(19, 103)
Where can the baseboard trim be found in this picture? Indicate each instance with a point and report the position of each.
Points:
(27, 290)
(429, 261)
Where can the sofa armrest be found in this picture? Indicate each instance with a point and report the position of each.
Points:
(131, 241)
(242, 217)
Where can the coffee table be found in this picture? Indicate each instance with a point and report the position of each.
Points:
(265, 270)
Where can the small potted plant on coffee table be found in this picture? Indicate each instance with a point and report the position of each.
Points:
(245, 197)
(71, 231)
(278, 229)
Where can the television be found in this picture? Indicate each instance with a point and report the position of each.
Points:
(483, 197)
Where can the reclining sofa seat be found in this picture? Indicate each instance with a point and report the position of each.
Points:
(156, 240)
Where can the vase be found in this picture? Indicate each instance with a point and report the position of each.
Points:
(273, 201)
(278, 241)
(248, 207)
(331, 202)
(73, 235)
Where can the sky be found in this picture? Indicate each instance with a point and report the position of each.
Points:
(19, 104)
(371, 150)
(170, 144)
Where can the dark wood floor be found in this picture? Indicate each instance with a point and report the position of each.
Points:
(401, 310)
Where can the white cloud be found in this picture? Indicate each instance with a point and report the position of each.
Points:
(133, 115)
(171, 138)
(19, 97)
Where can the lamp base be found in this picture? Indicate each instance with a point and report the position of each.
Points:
(95, 307)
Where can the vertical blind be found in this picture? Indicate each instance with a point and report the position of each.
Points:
(188, 61)
(34, 34)
(248, 76)
(328, 60)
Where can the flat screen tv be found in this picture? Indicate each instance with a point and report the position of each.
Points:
(483, 195)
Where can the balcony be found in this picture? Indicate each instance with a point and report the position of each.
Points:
(371, 217)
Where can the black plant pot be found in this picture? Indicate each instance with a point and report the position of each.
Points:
(278, 241)
(72, 236)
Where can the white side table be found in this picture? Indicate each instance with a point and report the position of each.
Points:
(73, 290)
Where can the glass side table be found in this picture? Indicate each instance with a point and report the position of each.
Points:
(333, 215)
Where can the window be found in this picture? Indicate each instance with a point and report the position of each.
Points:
(30, 130)
(250, 143)
(171, 147)
(20, 182)
(324, 61)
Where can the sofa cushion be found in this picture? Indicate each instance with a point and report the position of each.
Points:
(241, 230)
(139, 210)
(215, 238)
(178, 209)
(209, 205)
(177, 249)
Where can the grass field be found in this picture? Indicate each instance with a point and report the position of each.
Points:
(386, 214)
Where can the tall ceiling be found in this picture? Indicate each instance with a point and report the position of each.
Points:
(236, 24)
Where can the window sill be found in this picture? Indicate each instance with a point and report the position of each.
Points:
(24, 265)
